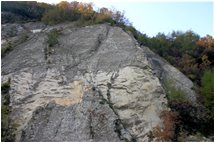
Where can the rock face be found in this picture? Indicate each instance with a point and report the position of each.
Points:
(97, 85)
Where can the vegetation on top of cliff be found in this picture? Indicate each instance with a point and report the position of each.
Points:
(62, 12)
(83, 13)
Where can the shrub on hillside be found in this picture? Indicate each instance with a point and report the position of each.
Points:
(207, 90)
(53, 37)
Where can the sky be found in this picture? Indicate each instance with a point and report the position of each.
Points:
(153, 17)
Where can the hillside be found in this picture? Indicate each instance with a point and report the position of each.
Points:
(93, 79)
(96, 83)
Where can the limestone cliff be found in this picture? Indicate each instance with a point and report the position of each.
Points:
(96, 85)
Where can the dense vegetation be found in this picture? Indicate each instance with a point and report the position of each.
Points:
(187, 51)
(191, 54)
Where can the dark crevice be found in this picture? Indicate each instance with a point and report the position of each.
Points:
(92, 133)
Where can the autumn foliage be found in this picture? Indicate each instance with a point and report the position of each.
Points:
(206, 42)
(83, 13)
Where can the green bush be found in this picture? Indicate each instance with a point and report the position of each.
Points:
(173, 93)
(52, 40)
(207, 90)
(53, 37)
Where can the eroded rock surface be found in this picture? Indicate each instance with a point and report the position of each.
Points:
(97, 85)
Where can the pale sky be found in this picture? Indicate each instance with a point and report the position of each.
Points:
(153, 17)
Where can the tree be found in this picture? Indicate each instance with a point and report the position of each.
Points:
(120, 19)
